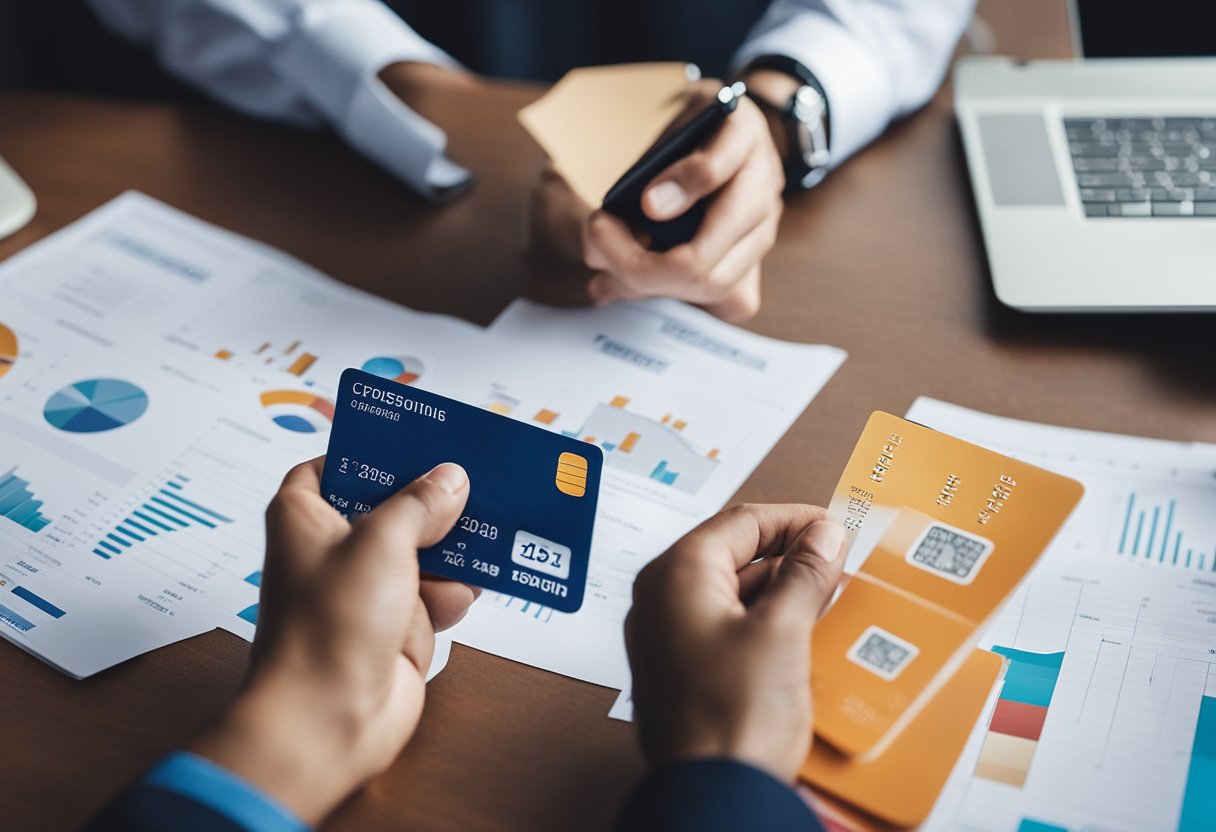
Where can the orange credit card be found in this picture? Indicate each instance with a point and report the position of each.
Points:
(947, 530)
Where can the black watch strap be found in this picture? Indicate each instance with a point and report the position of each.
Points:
(796, 169)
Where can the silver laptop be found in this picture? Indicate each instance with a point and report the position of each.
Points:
(1095, 179)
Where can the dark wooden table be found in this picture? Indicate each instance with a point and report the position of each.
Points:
(885, 260)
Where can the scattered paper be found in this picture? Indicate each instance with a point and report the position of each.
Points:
(1107, 715)
(684, 406)
(159, 375)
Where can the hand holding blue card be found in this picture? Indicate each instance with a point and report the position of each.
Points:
(526, 530)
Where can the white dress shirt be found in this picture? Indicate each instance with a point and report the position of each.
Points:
(310, 62)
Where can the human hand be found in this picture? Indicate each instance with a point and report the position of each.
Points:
(346, 630)
(719, 269)
(425, 87)
(720, 643)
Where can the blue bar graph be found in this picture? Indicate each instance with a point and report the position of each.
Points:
(168, 510)
(18, 503)
(663, 474)
(38, 602)
(1152, 531)
(1030, 825)
(12, 619)
(250, 614)
(1199, 798)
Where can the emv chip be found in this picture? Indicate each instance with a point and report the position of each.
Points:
(571, 474)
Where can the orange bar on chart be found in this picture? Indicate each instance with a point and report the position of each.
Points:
(292, 348)
(545, 416)
(712, 454)
(680, 424)
(223, 355)
(630, 441)
(300, 366)
(667, 419)
(619, 401)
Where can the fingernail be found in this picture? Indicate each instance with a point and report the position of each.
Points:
(826, 539)
(449, 476)
(666, 198)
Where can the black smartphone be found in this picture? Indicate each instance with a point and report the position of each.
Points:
(624, 199)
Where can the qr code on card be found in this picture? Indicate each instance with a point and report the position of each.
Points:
(949, 553)
(883, 654)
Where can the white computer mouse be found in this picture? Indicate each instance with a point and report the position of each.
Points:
(17, 203)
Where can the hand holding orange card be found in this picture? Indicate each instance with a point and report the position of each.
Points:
(951, 529)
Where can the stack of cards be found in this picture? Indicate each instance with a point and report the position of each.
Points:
(947, 530)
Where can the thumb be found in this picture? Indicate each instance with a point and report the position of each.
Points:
(418, 515)
(809, 572)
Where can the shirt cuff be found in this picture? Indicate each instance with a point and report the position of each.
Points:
(222, 791)
(858, 90)
(335, 53)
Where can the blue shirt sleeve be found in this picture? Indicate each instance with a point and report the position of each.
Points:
(714, 795)
(187, 792)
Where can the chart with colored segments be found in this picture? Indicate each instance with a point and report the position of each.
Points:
(8, 349)
(405, 369)
(1105, 716)
(96, 405)
(298, 411)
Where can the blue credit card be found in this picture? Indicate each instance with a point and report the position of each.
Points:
(526, 530)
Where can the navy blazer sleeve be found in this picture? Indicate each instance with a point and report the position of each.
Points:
(143, 808)
(715, 795)
(187, 793)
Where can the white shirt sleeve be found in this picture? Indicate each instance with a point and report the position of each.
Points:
(876, 59)
(305, 62)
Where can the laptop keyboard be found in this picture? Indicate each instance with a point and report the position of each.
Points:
(1144, 167)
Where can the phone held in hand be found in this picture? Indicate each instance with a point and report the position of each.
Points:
(624, 199)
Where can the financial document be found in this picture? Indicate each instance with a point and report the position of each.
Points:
(1106, 718)
(683, 406)
(159, 375)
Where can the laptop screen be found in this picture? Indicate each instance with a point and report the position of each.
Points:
(1146, 28)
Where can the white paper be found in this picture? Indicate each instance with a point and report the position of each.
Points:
(1136, 628)
(622, 708)
(206, 325)
(150, 532)
(706, 398)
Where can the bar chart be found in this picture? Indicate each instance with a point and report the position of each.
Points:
(1199, 799)
(290, 359)
(1162, 529)
(656, 449)
(169, 509)
(18, 503)
(1017, 721)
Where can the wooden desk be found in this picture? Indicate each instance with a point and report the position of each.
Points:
(884, 260)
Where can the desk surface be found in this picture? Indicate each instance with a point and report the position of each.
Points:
(885, 260)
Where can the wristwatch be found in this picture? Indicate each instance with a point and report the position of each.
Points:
(806, 117)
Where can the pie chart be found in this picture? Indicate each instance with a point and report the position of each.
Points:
(405, 369)
(8, 349)
(95, 405)
(298, 410)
